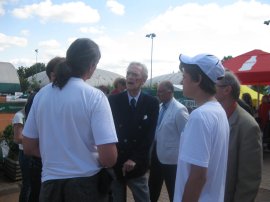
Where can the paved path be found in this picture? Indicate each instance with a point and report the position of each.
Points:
(263, 195)
(9, 191)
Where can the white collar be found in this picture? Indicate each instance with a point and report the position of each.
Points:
(136, 97)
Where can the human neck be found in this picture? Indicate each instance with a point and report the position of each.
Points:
(134, 93)
(202, 98)
(229, 106)
(85, 77)
(167, 100)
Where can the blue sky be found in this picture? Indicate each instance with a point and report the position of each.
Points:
(223, 28)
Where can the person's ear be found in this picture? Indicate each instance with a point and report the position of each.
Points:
(52, 76)
(228, 90)
(199, 79)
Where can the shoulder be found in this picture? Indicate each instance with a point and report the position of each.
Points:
(149, 98)
(246, 126)
(208, 113)
(81, 86)
(245, 117)
(178, 104)
(118, 96)
(180, 111)
(117, 101)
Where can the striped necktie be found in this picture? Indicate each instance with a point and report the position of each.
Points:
(133, 103)
(161, 113)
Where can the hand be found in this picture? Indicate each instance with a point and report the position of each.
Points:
(128, 166)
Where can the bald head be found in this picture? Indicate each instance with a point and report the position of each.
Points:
(165, 91)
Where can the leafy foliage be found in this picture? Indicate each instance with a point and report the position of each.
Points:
(13, 147)
(25, 72)
(226, 58)
(261, 89)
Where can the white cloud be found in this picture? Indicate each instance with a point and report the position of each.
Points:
(25, 62)
(117, 53)
(116, 7)
(71, 40)
(25, 32)
(192, 29)
(2, 11)
(92, 30)
(49, 49)
(72, 12)
(8, 41)
(49, 44)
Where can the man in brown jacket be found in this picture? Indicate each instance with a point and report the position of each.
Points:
(244, 168)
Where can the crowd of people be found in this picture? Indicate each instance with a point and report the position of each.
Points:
(85, 143)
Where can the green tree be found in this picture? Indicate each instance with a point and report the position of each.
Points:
(261, 89)
(226, 58)
(23, 79)
(34, 69)
(26, 72)
(13, 147)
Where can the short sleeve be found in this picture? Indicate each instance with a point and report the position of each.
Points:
(196, 144)
(102, 123)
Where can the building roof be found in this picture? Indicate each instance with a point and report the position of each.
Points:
(9, 80)
(100, 77)
(175, 78)
(8, 73)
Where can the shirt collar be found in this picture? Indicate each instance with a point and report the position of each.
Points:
(166, 104)
(136, 97)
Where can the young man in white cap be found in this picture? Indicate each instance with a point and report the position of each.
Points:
(203, 149)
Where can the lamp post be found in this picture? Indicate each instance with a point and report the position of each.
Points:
(36, 50)
(151, 36)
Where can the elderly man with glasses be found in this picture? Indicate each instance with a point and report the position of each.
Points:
(244, 167)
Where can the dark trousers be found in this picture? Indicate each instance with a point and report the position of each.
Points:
(25, 188)
(35, 176)
(83, 189)
(158, 173)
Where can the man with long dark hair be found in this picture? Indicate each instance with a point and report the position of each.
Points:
(65, 128)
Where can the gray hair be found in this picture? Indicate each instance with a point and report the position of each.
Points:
(144, 69)
(230, 79)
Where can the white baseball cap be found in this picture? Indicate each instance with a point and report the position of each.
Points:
(208, 63)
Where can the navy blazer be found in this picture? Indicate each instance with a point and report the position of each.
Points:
(135, 131)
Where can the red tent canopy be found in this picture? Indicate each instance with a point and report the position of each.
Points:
(252, 68)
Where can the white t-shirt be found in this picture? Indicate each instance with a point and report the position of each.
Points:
(19, 117)
(204, 142)
(69, 124)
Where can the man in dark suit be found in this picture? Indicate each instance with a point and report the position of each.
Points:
(135, 116)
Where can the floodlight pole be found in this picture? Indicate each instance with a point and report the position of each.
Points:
(152, 35)
(36, 50)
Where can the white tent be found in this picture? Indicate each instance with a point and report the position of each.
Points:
(178, 87)
(100, 77)
(175, 78)
(9, 80)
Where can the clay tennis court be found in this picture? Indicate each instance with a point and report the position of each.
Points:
(5, 119)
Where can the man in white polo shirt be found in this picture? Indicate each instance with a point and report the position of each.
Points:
(65, 127)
